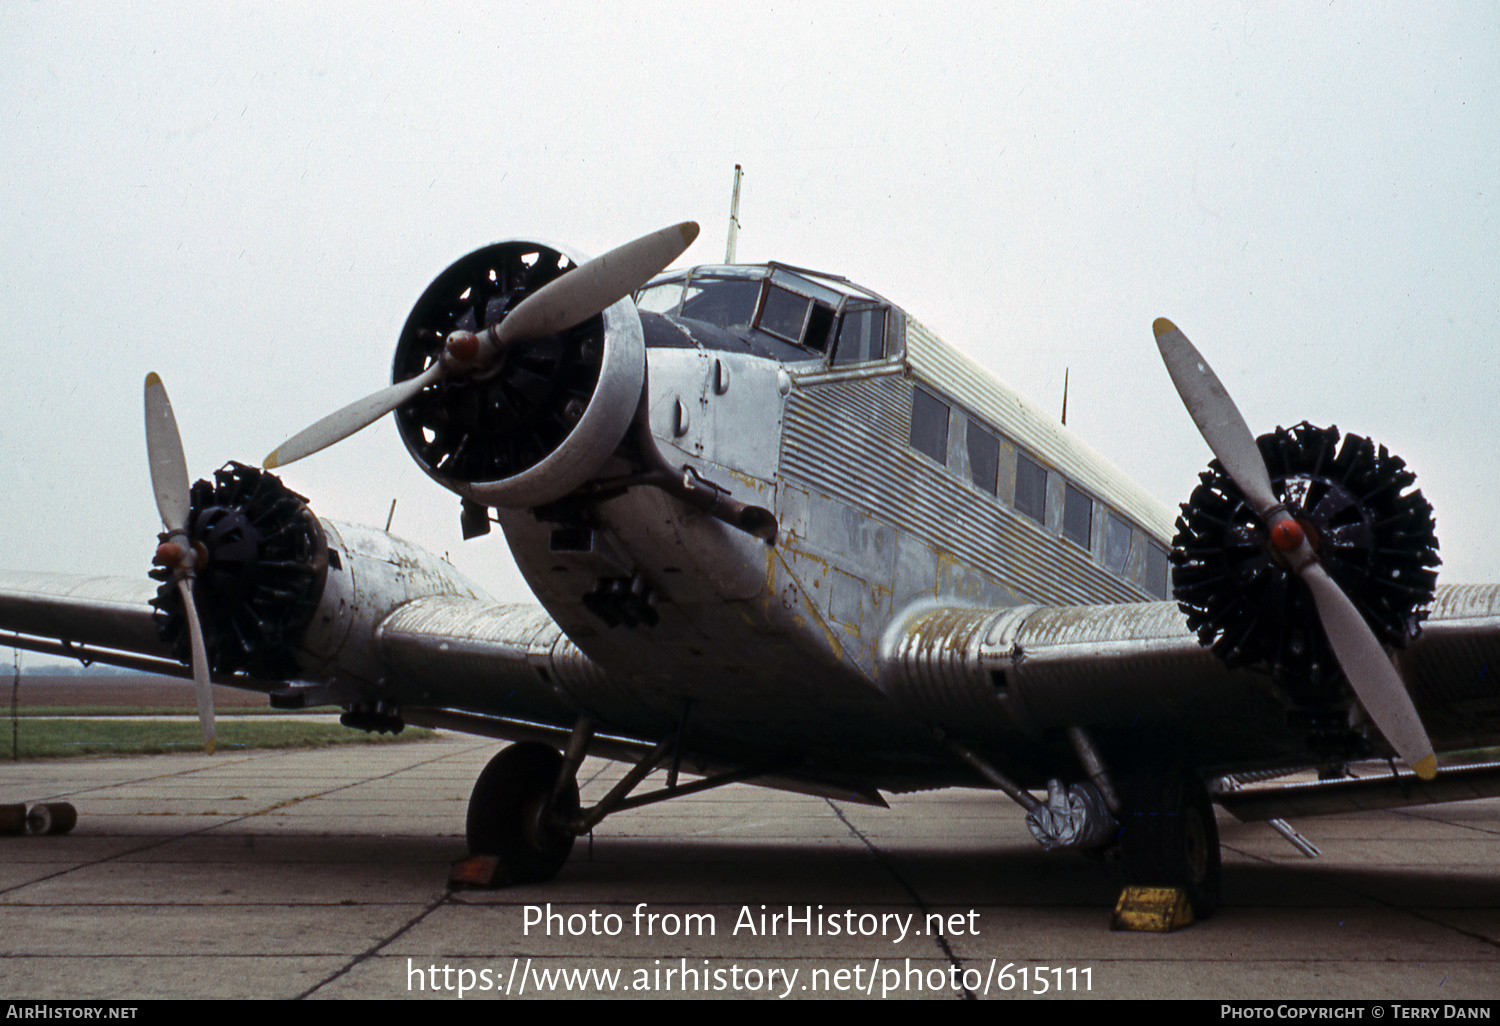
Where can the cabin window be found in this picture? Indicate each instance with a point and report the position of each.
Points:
(1116, 544)
(861, 336)
(1156, 570)
(1031, 489)
(1078, 516)
(984, 457)
(929, 424)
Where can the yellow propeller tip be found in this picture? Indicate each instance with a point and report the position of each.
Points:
(153, 378)
(1161, 326)
(209, 748)
(1426, 767)
(270, 463)
(689, 231)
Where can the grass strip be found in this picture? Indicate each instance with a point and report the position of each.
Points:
(163, 710)
(70, 739)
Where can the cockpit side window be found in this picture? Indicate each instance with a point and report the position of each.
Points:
(729, 303)
(775, 311)
(784, 314)
(799, 311)
(663, 298)
(861, 335)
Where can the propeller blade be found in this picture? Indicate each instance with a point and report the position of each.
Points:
(1365, 664)
(169, 476)
(1218, 419)
(356, 416)
(169, 480)
(1370, 672)
(563, 302)
(201, 684)
(595, 284)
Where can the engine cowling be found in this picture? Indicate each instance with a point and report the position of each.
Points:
(548, 415)
(1372, 534)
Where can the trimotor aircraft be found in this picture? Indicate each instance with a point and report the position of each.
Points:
(782, 534)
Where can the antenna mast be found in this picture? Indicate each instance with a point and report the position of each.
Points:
(734, 216)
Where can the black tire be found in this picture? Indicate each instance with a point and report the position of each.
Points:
(506, 815)
(1171, 839)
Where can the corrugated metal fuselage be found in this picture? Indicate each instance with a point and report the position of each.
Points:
(777, 648)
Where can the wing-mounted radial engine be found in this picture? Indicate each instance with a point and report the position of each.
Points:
(1372, 534)
(545, 412)
(1304, 557)
(253, 583)
(261, 561)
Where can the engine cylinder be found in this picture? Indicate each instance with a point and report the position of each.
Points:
(1375, 538)
(547, 416)
(264, 565)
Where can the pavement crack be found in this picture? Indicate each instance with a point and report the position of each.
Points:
(889, 867)
(1417, 914)
(1416, 814)
(375, 949)
(1414, 913)
(298, 799)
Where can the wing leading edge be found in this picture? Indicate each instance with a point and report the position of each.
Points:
(1135, 676)
(108, 619)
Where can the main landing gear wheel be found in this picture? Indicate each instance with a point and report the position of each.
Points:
(509, 818)
(1171, 839)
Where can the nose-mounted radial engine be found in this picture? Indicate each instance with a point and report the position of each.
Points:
(518, 372)
(545, 412)
(1303, 557)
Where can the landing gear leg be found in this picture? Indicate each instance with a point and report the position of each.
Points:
(1170, 838)
(514, 816)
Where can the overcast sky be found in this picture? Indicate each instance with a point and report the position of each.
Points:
(248, 199)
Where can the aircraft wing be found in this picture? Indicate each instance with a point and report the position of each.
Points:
(987, 673)
(76, 614)
(1137, 676)
(467, 643)
(457, 662)
(506, 670)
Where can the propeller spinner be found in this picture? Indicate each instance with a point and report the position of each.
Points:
(169, 480)
(1365, 664)
(567, 300)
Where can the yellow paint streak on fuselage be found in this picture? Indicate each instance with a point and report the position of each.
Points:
(813, 614)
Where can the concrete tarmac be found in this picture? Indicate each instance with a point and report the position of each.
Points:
(323, 874)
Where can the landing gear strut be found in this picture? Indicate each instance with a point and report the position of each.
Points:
(1170, 838)
(514, 815)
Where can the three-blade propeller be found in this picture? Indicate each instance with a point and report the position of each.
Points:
(569, 299)
(1363, 661)
(169, 480)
